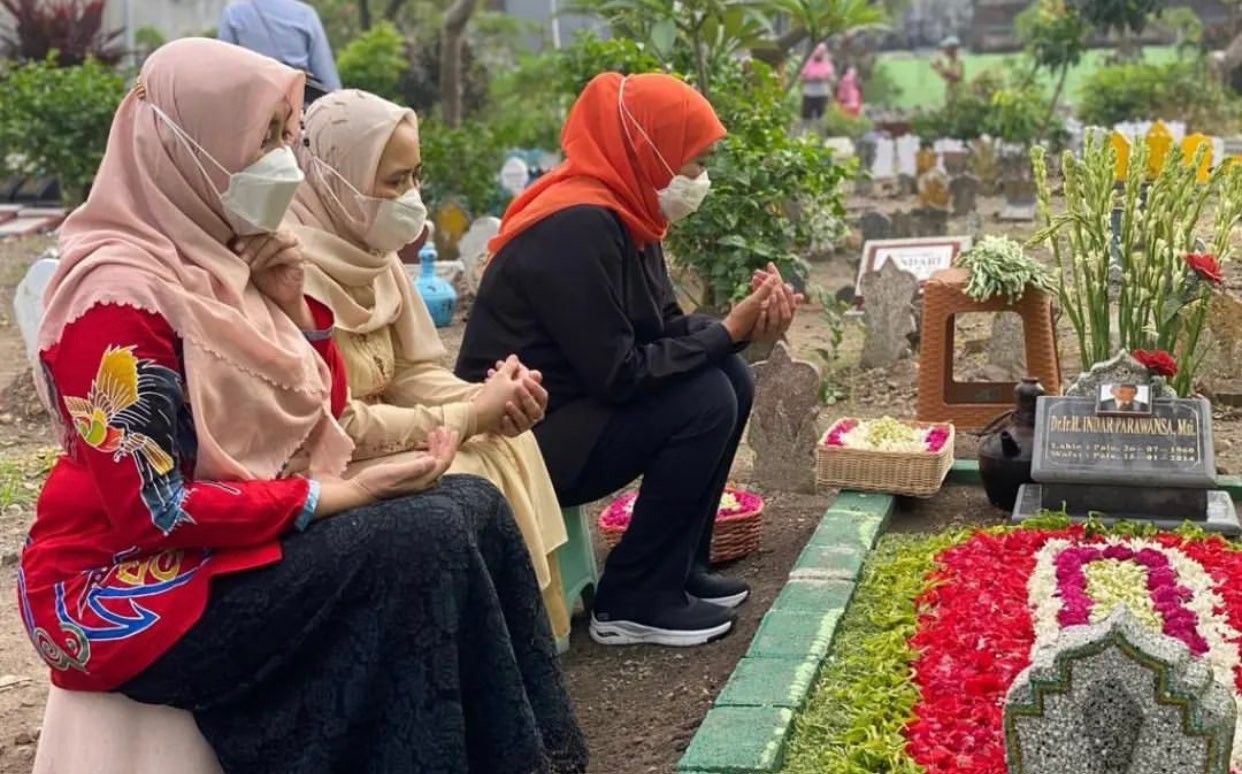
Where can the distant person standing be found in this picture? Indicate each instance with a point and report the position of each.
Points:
(950, 68)
(817, 77)
(288, 31)
(849, 95)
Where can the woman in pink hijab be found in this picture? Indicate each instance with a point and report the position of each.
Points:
(817, 77)
(849, 96)
(196, 545)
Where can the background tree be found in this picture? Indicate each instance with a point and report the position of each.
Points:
(451, 32)
(1056, 37)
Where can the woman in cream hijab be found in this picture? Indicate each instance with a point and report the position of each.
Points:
(358, 206)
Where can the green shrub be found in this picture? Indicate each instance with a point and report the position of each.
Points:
(462, 163)
(773, 196)
(56, 120)
(375, 61)
(1180, 90)
(838, 123)
(1011, 110)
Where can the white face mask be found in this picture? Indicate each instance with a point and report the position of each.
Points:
(683, 195)
(387, 225)
(257, 197)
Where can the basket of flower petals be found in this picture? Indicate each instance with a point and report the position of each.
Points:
(738, 529)
(888, 455)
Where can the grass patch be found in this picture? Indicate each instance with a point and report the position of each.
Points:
(22, 476)
(853, 722)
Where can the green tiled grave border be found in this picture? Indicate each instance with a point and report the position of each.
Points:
(745, 730)
(967, 472)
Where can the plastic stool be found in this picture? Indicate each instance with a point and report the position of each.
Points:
(576, 560)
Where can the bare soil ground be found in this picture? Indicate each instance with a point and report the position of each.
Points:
(639, 707)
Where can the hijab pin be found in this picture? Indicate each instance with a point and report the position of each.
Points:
(140, 90)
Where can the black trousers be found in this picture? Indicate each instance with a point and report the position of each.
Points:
(681, 440)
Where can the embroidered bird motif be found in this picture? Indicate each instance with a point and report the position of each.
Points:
(104, 418)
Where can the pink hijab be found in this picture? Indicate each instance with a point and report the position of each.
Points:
(819, 66)
(152, 236)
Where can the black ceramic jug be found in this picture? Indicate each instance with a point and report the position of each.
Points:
(1005, 453)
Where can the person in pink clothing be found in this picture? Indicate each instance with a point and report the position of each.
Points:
(849, 96)
(818, 75)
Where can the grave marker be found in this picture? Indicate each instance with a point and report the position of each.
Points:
(920, 257)
(1159, 141)
(782, 429)
(1123, 452)
(964, 194)
(875, 226)
(889, 315)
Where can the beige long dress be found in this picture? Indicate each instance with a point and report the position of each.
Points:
(394, 404)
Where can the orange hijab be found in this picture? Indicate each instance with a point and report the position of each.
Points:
(609, 158)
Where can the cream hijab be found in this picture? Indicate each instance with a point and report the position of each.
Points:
(367, 290)
(153, 236)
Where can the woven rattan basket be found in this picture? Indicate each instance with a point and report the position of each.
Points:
(733, 536)
(914, 474)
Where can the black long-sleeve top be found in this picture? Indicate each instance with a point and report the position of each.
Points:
(573, 297)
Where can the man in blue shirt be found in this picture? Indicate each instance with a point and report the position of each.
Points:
(288, 31)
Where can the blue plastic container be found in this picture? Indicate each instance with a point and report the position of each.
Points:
(437, 294)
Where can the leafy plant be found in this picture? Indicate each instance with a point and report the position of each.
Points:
(999, 266)
(832, 310)
(462, 162)
(1162, 301)
(839, 123)
(880, 88)
(70, 30)
(375, 61)
(746, 220)
(854, 720)
(56, 120)
(1181, 90)
(1008, 109)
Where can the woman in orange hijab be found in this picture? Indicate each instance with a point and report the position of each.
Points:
(578, 289)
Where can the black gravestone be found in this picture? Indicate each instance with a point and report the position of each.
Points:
(1158, 467)
(1171, 447)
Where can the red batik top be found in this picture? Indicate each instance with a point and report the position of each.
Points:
(118, 563)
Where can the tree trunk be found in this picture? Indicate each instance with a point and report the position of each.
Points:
(364, 14)
(1056, 98)
(455, 20)
(394, 7)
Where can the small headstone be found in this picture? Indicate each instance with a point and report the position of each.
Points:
(1007, 347)
(514, 175)
(929, 222)
(934, 190)
(888, 295)
(903, 226)
(964, 194)
(875, 225)
(782, 429)
(925, 161)
(28, 299)
(1118, 698)
(1159, 141)
(451, 221)
(885, 165)
(907, 185)
(472, 251)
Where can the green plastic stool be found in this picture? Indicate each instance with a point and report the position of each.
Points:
(576, 560)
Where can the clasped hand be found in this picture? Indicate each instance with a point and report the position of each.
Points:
(512, 400)
(767, 312)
